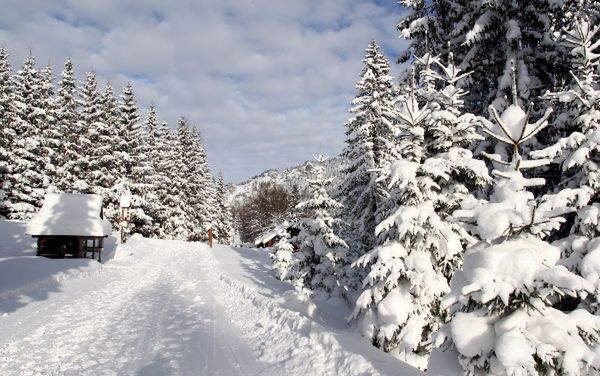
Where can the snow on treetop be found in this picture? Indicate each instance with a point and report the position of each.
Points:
(71, 215)
(514, 119)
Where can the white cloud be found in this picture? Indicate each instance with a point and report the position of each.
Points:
(268, 82)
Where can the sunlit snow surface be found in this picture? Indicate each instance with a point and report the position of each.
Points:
(159, 307)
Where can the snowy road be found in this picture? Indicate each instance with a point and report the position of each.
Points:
(170, 309)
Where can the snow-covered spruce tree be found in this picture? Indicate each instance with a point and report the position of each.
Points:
(450, 135)
(399, 306)
(578, 153)
(180, 224)
(131, 155)
(504, 303)
(154, 178)
(204, 202)
(195, 184)
(91, 124)
(168, 192)
(50, 137)
(320, 252)
(224, 221)
(370, 145)
(486, 35)
(285, 263)
(104, 165)
(71, 164)
(7, 133)
(26, 180)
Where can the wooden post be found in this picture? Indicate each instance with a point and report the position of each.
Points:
(210, 237)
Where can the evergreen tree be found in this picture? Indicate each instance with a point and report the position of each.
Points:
(7, 133)
(131, 155)
(578, 153)
(320, 251)
(50, 138)
(224, 220)
(70, 162)
(180, 224)
(154, 176)
(486, 35)
(105, 168)
(26, 180)
(168, 187)
(512, 282)
(90, 124)
(371, 145)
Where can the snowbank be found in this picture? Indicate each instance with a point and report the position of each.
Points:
(25, 277)
(279, 323)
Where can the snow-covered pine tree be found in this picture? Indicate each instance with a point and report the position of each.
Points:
(180, 224)
(399, 307)
(71, 163)
(285, 263)
(7, 133)
(578, 152)
(504, 303)
(132, 156)
(321, 252)
(578, 155)
(50, 137)
(26, 180)
(450, 135)
(202, 200)
(91, 124)
(224, 221)
(153, 178)
(486, 35)
(105, 167)
(370, 145)
(168, 192)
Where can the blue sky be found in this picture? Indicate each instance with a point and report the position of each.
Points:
(268, 82)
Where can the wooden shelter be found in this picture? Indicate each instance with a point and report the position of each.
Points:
(70, 225)
(272, 237)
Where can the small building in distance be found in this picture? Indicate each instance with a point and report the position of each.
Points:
(70, 225)
(271, 237)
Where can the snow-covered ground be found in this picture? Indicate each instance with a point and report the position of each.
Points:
(159, 307)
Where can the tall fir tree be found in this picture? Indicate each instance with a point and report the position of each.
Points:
(7, 133)
(316, 265)
(224, 220)
(399, 307)
(50, 138)
(370, 145)
(105, 167)
(71, 163)
(26, 181)
(90, 123)
(131, 155)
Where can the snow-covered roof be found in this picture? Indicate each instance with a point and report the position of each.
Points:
(279, 230)
(71, 215)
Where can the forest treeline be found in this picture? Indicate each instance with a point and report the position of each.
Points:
(79, 138)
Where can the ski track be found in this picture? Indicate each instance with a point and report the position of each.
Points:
(157, 316)
(169, 309)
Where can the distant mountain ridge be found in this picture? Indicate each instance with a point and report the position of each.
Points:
(296, 176)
